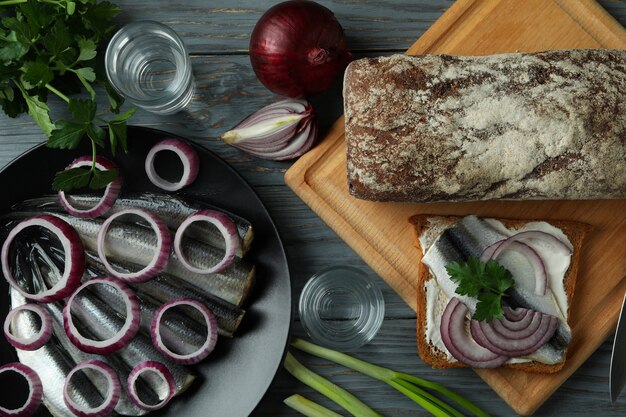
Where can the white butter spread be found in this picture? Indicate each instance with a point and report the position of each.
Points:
(556, 263)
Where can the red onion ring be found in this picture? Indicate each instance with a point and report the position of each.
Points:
(114, 390)
(541, 276)
(74, 257)
(204, 350)
(187, 155)
(111, 192)
(227, 228)
(35, 341)
(460, 344)
(35, 390)
(122, 337)
(161, 255)
(160, 370)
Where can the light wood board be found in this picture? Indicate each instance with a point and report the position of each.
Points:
(379, 233)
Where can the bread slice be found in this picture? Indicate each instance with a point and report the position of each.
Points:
(431, 226)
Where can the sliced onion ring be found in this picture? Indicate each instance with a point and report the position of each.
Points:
(486, 335)
(35, 341)
(204, 350)
(187, 155)
(161, 255)
(35, 390)
(114, 390)
(227, 228)
(111, 192)
(118, 340)
(162, 372)
(74, 257)
(460, 344)
(541, 276)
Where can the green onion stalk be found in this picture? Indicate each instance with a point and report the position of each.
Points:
(409, 385)
(335, 393)
(308, 407)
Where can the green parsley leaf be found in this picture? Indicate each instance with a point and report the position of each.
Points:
(86, 73)
(487, 282)
(117, 134)
(102, 178)
(98, 18)
(66, 135)
(10, 48)
(115, 100)
(96, 134)
(37, 73)
(40, 112)
(71, 7)
(82, 110)
(58, 39)
(87, 49)
(71, 179)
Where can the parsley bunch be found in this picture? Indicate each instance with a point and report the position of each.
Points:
(487, 282)
(51, 47)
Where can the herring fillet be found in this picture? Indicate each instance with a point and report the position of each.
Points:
(53, 365)
(173, 210)
(96, 320)
(136, 244)
(165, 287)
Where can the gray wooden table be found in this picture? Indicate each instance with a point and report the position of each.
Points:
(217, 34)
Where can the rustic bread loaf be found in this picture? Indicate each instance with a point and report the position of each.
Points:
(549, 125)
(429, 227)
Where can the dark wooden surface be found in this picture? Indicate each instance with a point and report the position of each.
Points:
(217, 34)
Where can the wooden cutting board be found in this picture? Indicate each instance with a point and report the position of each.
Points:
(379, 233)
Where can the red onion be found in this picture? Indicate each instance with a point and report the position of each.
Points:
(114, 390)
(297, 49)
(123, 335)
(515, 314)
(460, 344)
(204, 350)
(74, 257)
(187, 155)
(161, 372)
(35, 341)
(35, 390)
(111, 192)
(541, 276)
(280, 131)
(498, 339)
(162, 251)
(227, 228)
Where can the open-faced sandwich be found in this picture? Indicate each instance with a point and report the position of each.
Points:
(495, 292)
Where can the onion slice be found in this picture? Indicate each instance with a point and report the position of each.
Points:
(162, 251)
(204, 350)
(188, 157)
(118, 340)
(114, 390)
(35, 390)
(227, 228)
(460, 344)
(73, 251)
(541, 276)
(111, 192)
(514, 343)
(161, 372)
(35, 341)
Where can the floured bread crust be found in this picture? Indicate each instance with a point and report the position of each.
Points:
(423, 223)
(549, 125)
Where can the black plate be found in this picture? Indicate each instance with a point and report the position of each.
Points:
(237, 374)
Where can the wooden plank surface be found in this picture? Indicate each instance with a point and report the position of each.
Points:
(218, 33)
(379, 231)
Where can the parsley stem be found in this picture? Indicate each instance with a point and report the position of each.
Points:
(58, 93)
(93, 156)
(11, 2)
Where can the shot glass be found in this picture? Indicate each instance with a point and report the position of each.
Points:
(341, 308)
(147, 63)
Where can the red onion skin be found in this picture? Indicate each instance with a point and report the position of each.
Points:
(45, 332)
(36, 390)
(297, 49)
